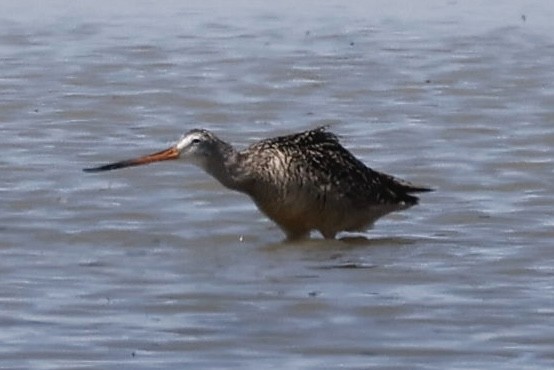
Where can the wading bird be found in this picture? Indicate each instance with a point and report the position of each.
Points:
(303, 182)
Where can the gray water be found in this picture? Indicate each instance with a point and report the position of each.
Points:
(160, 267)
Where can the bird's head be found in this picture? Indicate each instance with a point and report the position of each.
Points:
(198, 147)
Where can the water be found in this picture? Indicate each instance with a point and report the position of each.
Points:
(160, 267)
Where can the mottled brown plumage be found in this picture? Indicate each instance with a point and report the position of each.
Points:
(303, 182)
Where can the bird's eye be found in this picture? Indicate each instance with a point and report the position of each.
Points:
(195, 141)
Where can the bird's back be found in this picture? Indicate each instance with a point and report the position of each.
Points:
(310, 181)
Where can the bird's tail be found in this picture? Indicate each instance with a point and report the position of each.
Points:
(418, 189)
(407, 189)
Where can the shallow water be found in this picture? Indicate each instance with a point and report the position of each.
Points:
(160, 267)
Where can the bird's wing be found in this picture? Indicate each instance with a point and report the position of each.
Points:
(315, 161)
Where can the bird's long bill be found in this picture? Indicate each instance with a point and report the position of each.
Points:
(164, 155)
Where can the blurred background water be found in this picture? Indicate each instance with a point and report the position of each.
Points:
(161, 267)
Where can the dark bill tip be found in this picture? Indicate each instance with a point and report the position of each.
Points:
(110, 166)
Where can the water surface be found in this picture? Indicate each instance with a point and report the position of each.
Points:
(161, 267)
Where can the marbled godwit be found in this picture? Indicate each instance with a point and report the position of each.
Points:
(303, 182)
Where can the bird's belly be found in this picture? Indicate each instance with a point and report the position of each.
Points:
(302, 214)
(291, 217)
(291, 214)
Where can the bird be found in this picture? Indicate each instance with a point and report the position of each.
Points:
(304, 182)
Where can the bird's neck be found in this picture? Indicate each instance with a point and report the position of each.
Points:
(224, 167)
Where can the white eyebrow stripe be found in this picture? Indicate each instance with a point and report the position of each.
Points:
(187, 139)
